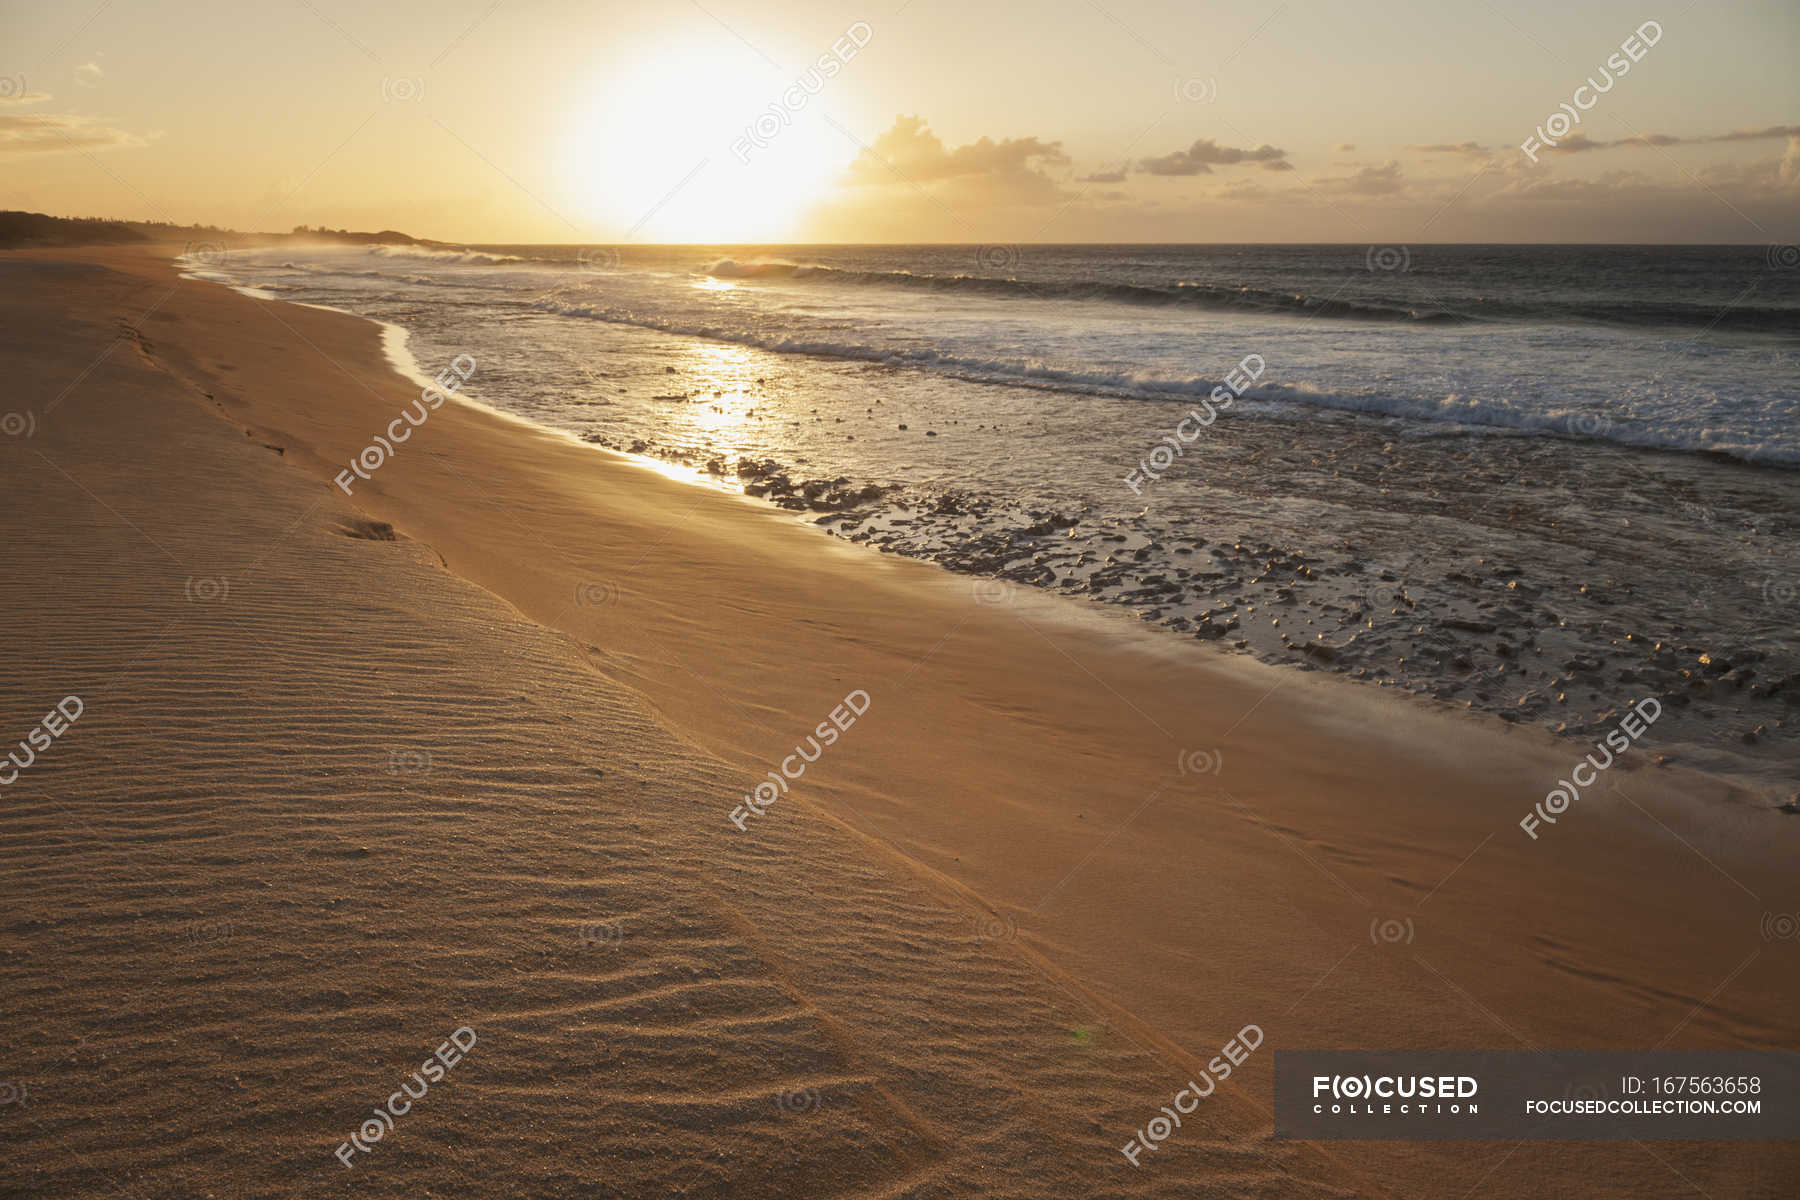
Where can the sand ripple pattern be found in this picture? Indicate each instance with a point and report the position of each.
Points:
(324, 812)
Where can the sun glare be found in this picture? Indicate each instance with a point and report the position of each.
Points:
(658, 152)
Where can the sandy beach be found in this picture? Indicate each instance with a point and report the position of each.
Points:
(475, 742)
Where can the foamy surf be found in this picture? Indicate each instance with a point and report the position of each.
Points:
(1478, 512)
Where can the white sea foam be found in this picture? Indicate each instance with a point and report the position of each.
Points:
(1636, 386)
(477, 257)
(1517, 408)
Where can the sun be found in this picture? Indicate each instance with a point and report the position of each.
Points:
(661, 151)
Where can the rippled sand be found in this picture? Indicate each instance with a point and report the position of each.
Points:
(351, 776)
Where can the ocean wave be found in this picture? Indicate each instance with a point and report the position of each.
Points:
(1650, 314)
(977, 370)
(478, 257)
(1197, 295)
(1270, 398)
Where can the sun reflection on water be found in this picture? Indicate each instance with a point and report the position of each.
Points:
(721, 391)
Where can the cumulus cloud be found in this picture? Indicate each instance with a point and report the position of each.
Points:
(89, 74)
(909, 152)
(907, 185)
(1013, 188)
(1201, 157)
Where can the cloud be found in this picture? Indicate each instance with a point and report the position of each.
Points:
(1749, 135)
(1580, 143)
(1203, 155)
(907, 185)
(1384, 180)
(1020, 189)
(52, 133)
(89, 74)
(909, 152)
(1344, 147)
(1464, 149)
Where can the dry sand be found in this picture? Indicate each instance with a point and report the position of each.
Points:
(460, 750)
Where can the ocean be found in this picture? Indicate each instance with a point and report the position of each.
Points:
(1542, 482)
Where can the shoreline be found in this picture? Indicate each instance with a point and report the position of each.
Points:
(1067, 777)
(1536, 579)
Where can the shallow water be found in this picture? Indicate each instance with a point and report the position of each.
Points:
(1479, 477)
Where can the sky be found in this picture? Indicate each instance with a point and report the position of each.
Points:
(783, 121)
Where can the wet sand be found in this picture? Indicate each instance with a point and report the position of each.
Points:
(462, 748)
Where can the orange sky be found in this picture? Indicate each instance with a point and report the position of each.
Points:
(918, 120)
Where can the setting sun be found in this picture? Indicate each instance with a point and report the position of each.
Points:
(650, 156)
(784, 600)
